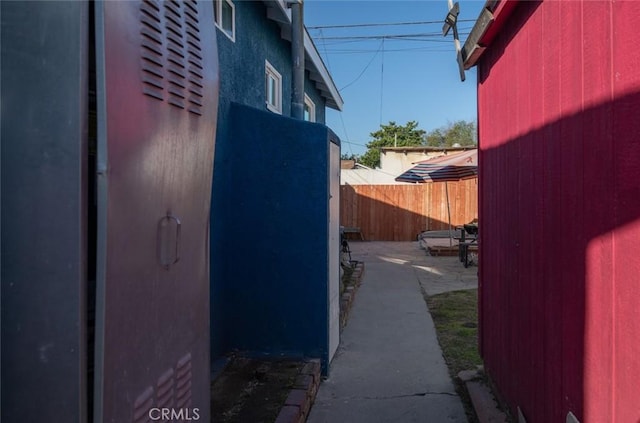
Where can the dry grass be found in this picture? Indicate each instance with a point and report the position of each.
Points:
(455, 315)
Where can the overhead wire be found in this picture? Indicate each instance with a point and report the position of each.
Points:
(365, 68)
(424, 37)
(383, 24)
(344, 127)
(381, 81)
(417, 35)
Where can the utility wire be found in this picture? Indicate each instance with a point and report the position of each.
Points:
(365, 68)
(381, 81)
(344, 127)
(355, 143)
(388, 36)
(384, 24)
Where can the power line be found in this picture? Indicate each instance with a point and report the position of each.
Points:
(403, 50)
(354, 143)
(381, 80)
(365, 68)
(387, 36)
(384, 24)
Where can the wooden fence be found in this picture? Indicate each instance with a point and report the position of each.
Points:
(400, 212)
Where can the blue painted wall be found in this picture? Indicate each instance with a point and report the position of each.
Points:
(269, 251)
(242, 63)
(235, 226)
(314, 95)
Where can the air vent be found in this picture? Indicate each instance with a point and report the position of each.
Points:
(173, 390)
(183, 382)
(194, 58)
(152, 63)
(165, 390)
(172, 66)
(142, 406)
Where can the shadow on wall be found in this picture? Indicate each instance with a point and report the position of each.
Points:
(560, 211)
(401, 212)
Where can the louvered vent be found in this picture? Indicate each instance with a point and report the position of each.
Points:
(172, 67)
(172, 390)
(164, 395)
(152, 68)
(142, 405)
(194, 57)
(183, 382)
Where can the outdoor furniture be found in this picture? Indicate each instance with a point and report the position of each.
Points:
(464, 246)
(445, 169)
(353, 231)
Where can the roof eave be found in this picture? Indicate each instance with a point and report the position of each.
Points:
(280, 13)
(492, 18)
(326, 86)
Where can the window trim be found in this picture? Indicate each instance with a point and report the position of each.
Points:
(312, 107)
(271, 72)
(218, 18)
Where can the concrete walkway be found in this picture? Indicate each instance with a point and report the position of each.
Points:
(389, 366)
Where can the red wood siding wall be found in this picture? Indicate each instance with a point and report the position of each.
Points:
(559, 130)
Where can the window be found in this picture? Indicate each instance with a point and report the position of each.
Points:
(225, 16)
(273, 88)
(309, 109)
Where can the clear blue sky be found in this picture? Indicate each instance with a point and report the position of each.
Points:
(411, 77)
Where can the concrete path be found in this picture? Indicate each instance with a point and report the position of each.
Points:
(389, 366)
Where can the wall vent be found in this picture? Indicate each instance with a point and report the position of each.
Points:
(173, 390)
(171, 53)
(183, 382)
(142, 406)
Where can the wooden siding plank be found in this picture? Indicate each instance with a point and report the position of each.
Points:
(551, 284)
(626, 174)
(598, 248)
(571, 206)
(537, 272)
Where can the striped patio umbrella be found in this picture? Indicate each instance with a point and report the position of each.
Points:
(449, 168)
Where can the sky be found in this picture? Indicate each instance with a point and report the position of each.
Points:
(413, 76)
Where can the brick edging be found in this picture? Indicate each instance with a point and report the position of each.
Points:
(349, 294)
(298, 403)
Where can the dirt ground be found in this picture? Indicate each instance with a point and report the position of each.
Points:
(251, 390)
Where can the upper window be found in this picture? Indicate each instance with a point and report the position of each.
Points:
(225, 17)
(309, 109)
(273, 88)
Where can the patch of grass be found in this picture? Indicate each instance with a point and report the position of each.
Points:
(455, 315)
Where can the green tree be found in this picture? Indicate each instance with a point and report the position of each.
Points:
(460, 132)
(345, 156)
(391, 135)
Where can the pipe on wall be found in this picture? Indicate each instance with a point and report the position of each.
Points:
(297, 56)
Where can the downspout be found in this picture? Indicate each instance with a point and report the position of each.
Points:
(297, 56)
